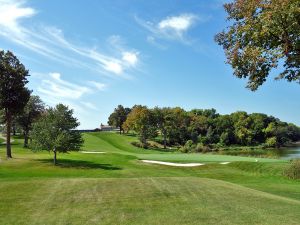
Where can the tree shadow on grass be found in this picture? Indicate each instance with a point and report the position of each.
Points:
(79, 164)
(130, 135)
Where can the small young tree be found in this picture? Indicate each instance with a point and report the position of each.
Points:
(32, 111)
(54, 131)
(13, 93)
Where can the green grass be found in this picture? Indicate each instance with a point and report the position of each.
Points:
(111, 142)
(117, 188)
(142, 201)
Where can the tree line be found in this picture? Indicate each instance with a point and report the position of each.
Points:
(176, 126)
(47, 128)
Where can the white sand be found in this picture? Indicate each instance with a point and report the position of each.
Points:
(174, 164)
(224, 163)
(92, 152)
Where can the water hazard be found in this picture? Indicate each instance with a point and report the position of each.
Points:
(290, 152)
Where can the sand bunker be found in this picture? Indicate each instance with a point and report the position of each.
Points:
(92, 152)
(224, 163)
(173, 164)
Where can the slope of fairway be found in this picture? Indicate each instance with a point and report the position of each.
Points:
(112, 142)
(141, 201)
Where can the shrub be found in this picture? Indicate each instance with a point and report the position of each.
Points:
(271, 142)
(188, 147)
(293, 171)
(199, 147)
(202, 148)
(139, 144)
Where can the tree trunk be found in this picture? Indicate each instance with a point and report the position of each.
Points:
(25, 139)
(165, 140)
(54, 159)
(144, 141)
(14, 129)
(8, 130)
(120, 130)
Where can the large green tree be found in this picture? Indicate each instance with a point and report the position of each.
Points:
(177, 129)
(32, 111)
(207, 127)
(142, 120)
(262, 34)
(13, 93)
(162, 121)
(55, 131)
(118, 117)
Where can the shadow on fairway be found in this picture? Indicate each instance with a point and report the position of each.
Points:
(80, 164)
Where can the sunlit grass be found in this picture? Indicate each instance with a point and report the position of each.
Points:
(117, 188)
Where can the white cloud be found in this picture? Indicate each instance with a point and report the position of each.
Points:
(171, 28)
(60, 89)
(152, 40)
(130, 57)
(178, 24)
(89, 105)
(51, 42)
(97, 85)
(114, 67)
(11, 12)
(53, 89)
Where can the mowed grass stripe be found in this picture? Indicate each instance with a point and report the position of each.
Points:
(141, 201)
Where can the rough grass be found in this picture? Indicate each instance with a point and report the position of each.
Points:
(116, 188)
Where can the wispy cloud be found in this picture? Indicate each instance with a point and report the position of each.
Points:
(89, 105)
(11, 12)
(171, 27)
(55, 87)
(99, 86)
(50, 42)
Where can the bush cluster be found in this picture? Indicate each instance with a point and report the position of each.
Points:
(293, 171)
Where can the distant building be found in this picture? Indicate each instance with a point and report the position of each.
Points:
(108, 128)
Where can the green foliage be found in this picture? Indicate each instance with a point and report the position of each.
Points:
(118, 117)
(271, 142)
(13, 93)
(31, 112)
(177, 126)
(141, 120)
(54, 131)
(188, 147)
(163, 121)
(202, 148)
(262, 34)
(224, 138)
(293, 171)
(13, 78)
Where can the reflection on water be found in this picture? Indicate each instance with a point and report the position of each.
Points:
(290, 152)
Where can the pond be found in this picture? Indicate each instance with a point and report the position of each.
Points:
(290, 152)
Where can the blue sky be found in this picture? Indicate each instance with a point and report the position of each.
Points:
(93, 55)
